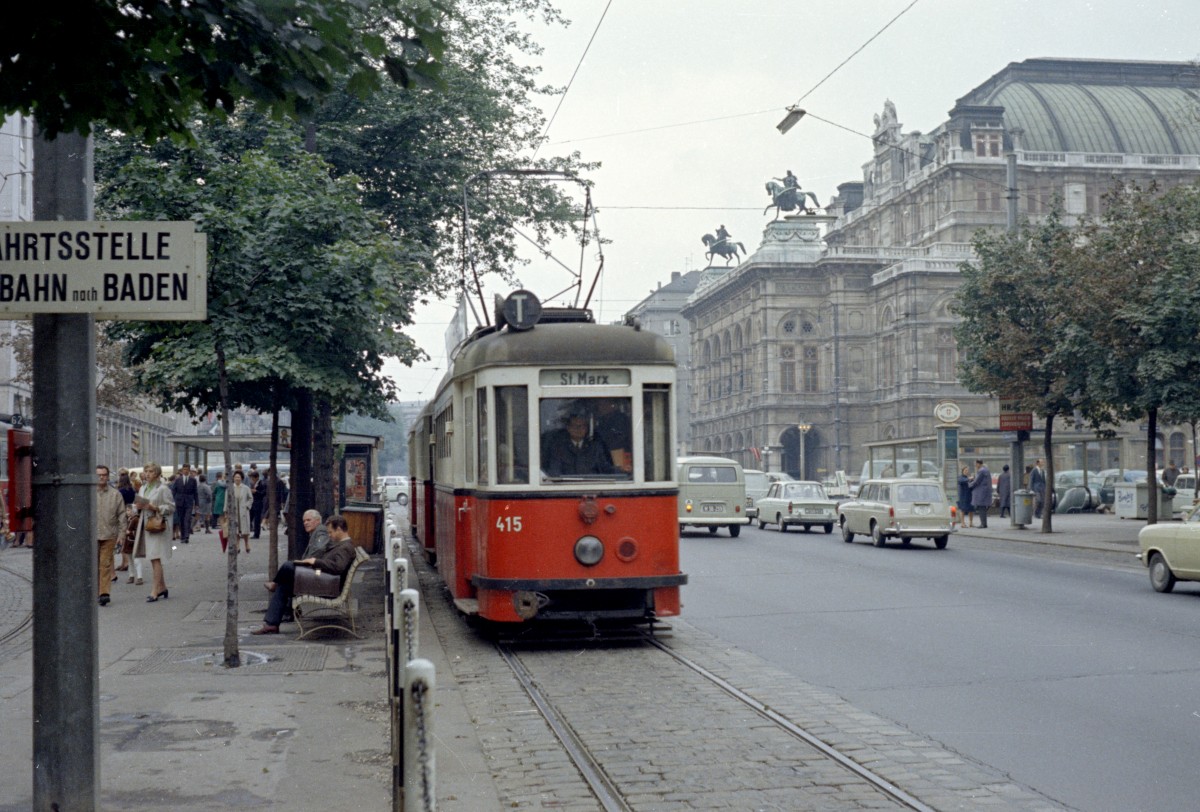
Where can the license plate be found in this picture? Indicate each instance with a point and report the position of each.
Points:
(714, 507)
(817, 511)
(922, 510)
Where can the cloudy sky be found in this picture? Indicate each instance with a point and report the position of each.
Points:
(679, 100)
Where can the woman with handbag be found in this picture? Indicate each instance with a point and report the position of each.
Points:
(156, 506)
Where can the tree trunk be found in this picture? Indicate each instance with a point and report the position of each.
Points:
(1151, 467)
(302, 486)
(1048, 456)
(323, 463)
(273, 493)
(232, 656)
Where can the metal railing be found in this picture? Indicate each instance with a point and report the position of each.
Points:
(411, 685)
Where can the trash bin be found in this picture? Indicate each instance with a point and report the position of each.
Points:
(364, 521)
(1022, 506)
(1130, 500)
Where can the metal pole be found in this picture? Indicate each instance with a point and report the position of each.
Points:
(1017, 464)
(66, 690)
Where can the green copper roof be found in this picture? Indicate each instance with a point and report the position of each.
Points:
(1093, 106)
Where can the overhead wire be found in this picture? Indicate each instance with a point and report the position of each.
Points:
(574, 73)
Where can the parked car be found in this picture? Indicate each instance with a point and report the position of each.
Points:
(394, 489)
(712, 494)
(756, 488)
(898, 508)
(1185, 493)
(1171, 551)
(803, 504)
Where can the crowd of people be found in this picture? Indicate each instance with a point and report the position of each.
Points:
(140, 516)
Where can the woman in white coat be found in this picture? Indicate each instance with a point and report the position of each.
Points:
(238, 499)
(154, 501)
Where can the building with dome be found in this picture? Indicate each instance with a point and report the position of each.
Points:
(841, 324)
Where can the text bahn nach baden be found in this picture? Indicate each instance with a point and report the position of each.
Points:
(117, 270)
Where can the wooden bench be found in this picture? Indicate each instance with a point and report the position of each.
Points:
(335, 613)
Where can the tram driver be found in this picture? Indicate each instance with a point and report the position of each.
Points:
(571, 451)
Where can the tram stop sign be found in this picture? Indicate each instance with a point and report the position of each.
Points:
(1011, 419)
(144, 271)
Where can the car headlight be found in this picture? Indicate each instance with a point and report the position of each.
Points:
(589, 550)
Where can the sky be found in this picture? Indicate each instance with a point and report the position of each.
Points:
(679, 101)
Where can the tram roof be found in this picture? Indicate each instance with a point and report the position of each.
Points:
(566, 344)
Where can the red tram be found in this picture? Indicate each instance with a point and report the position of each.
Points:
(543, 471)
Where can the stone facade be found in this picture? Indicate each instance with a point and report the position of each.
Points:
(843, 323)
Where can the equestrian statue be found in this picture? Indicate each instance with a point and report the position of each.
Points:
(787, 196)
(721, 245)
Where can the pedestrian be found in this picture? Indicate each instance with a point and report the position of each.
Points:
(110, 526)
(258, 502)
(981, 492)
(1037, 484)
(1004, 486)
(218, 504)
(157, 509)
(237, 509)
(184, 490)
(204, 503)
(964, 498)
(128, 492)
(1170, 474)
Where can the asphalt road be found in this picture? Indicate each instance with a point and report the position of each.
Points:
(1072, 676)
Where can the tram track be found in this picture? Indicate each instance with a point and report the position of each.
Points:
(608, 791)
(26, 622)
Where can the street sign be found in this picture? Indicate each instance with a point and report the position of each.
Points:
(147, 271)
(1011, 419)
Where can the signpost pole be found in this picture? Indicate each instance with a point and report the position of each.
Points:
(66, 693)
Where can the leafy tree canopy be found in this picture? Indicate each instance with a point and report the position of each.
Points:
(145, 65)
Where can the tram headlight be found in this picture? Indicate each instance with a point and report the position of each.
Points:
(589, 550)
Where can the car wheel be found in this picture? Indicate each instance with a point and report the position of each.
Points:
(877, 535)
(828, 529)
(941, 541)
(782, 527)
(761, 524)
(712, 529)
(735, 530)
(906, 540)
(847, 536)
(1161, 577)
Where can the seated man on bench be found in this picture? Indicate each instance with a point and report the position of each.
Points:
(336, 560)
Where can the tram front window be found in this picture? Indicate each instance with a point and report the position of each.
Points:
(586, 438)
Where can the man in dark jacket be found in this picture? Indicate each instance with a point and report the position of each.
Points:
(184, 491)
(258, 503)
(336, 561)
(572, 452)
(981, 491)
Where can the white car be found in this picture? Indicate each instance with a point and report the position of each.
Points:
(802, 504)
(1171, 551)
(898, 508)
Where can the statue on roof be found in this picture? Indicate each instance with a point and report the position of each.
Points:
(786, 195)
(722, 245)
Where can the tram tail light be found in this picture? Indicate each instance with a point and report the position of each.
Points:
(627, 549)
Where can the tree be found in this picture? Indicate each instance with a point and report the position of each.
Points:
(144, 66)
(1138, 296)
(1013, 305)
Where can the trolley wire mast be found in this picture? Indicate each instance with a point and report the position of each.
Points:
(543, 470)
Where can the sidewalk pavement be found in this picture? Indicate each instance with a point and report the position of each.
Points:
(1092, 531)
(301, 724)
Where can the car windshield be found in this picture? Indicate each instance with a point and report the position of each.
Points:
(803, 490)
(919, 492)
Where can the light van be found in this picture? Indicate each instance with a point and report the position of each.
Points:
(712, 494)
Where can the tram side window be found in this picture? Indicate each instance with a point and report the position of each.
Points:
(586, 437)
(656, 433)
(512, 435)
(482, 422)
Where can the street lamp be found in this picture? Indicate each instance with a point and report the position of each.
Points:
(803, 427)
(794, 114)
(767, 459)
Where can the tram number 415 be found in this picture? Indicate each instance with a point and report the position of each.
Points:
(509, 524)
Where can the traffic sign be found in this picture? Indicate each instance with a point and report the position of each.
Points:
(148, 271)
(1012, 419)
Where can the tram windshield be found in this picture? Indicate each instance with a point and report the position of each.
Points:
(586, 438)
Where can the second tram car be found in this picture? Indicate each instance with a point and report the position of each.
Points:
(542, 473)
